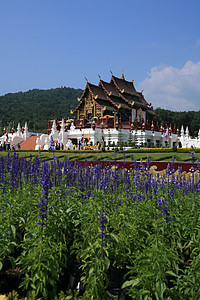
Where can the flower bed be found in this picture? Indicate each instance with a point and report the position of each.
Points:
(95, 231)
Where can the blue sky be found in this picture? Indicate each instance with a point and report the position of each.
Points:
(47, 44)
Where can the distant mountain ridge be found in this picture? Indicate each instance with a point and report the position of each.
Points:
(37, 106)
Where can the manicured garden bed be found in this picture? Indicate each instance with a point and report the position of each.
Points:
(155, 154)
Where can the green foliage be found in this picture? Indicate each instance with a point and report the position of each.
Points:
(95, 266)
(41, 267)
(61, 296)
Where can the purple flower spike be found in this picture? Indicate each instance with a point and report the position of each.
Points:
(162, 204)
(103, 220)
(43, 204)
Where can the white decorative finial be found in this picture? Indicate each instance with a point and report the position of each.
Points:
(26, 126)
(18, 128)
(54, 128)
(187, 132)
(62, 129)
(182, 131)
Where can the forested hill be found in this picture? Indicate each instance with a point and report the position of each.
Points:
(190, 119)
(36, 107)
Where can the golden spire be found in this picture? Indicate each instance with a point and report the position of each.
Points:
(122, 75)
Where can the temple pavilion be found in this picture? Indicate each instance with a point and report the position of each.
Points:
(113, 104)
(113, 113)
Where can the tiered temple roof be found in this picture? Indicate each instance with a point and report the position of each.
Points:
(117, 96)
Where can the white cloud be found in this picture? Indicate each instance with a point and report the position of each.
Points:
(172, 88)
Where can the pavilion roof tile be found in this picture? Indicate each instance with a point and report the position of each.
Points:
(106, 104)
(96, 90)
(127, 86)
(110, 88)
(112, 93)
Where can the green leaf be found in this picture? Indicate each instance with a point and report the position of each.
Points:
(145, 292)
(161, 287)
(114, 236)
(107, 262)
(132, 283)
(1, 265)
(171, 273)
(33, 286)
(22, 219)
(12, 260)
(91, 270)
(13, 229)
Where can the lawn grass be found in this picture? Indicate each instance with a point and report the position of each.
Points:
(107, 155)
